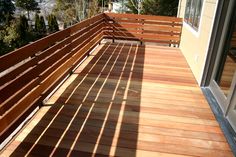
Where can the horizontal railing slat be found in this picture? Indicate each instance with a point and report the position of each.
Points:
(19, 108)
(16, 72)
(10, 102)
(146, 17)
(17, 83)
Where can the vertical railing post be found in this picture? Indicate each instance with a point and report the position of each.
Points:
(172, 33)
(113, 30)
(142, 30)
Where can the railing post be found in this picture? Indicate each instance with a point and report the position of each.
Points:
(142, 30)
(113, 31)
(172, 33)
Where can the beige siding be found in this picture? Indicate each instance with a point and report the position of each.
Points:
(194, 44)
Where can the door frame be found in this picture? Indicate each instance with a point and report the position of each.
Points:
(221, 117)
(217, 43)
(214, 40)
(231, 111)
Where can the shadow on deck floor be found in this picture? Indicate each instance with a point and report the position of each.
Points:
(128, 100)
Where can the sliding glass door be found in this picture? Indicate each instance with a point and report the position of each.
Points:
(223, 77)
(231, 111)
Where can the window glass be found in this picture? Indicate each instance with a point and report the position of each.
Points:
(187, 10)
(193, 12)
(198, 14)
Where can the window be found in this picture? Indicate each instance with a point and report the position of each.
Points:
(193, 13)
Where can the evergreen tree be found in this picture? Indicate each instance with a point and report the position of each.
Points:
(52, 23)
(132, 5)
(55, 24)
(168, 7)
(42, 26)
(36, 23)
(154, 7)
(22, 30)
(160, 7)
(7, 9)
(28, 5)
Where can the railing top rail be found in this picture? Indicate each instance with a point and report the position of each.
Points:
(145, 17)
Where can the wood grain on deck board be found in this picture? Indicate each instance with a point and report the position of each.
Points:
(125, 100)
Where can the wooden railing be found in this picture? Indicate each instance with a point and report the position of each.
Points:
(30, 73)
(144, 28)
(41, 67)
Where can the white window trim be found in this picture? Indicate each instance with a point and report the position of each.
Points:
(195, 32)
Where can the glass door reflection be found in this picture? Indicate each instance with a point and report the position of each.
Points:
(227, 67)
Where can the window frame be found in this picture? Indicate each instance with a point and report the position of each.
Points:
(193, 11)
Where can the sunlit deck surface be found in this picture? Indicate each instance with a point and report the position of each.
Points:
(125, 100)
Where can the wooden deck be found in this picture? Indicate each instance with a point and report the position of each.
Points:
(125, 100)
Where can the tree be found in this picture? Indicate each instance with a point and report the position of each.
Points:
(154, 7)
(12, 35)
(16, 34)
(7, 9)
(73, 11)
(160, 7)
(132, 5)
(103, 3)
(8, 37)
(93, 8)
(52, 23)
(22, 29)
(65, 10)
(42, 27)
(28, 5)
(168, 7)
(37, 22)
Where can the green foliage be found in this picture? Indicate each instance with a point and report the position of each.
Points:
(132, 5)
(18, 33)
(52, 23)
(15, 35)
(23, 27)
(7, 9)
(154, 7)
(65, 10)
(151, 7)
(8, 37)
(12, 34)
(160, 7)
(105, 3)
(93, 8)
(37, 23)
(169, 7)
(40, 27)
(28, 5)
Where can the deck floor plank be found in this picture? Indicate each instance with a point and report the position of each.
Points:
(125, 100)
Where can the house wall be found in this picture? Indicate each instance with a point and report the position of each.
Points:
(194, 44)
